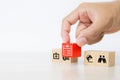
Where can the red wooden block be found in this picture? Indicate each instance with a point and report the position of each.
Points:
(71, 50)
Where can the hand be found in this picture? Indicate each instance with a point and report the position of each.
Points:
(95, 20)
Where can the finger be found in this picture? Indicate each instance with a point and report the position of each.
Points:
(65, 37)
(90, 35)
(80, 28)
(66, 24)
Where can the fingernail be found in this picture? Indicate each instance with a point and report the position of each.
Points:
(81, 41)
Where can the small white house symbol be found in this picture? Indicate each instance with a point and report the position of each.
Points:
(67, 45)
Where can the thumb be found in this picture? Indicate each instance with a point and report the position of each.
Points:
(90, 35)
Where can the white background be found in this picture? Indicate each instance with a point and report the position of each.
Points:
(34, 26)
(30, 29)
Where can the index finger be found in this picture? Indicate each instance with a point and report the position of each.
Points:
(71, 19)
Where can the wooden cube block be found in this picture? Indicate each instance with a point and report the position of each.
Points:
(57, 57)
(99, 58)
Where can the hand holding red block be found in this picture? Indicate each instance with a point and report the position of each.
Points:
(71, 50)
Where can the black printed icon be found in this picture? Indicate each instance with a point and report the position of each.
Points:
(56, 55)
(102, 59)
(89, 58)
(65, 58)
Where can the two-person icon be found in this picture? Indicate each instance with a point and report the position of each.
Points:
(102, 59)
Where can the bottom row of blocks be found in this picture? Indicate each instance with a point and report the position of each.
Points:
(91, 57)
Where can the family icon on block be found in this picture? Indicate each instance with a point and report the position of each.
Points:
(70, 53)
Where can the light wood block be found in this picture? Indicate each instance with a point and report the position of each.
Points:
(57, 57)
(99, 58)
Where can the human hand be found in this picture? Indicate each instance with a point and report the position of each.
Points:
(95, 20)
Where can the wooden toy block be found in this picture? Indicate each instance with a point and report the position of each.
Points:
(57, 57)
(99, 58)
(71, 50)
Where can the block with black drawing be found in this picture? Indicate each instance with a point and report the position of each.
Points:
(57, 57)
(99, 58)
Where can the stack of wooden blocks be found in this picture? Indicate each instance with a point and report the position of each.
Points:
(70, 53)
